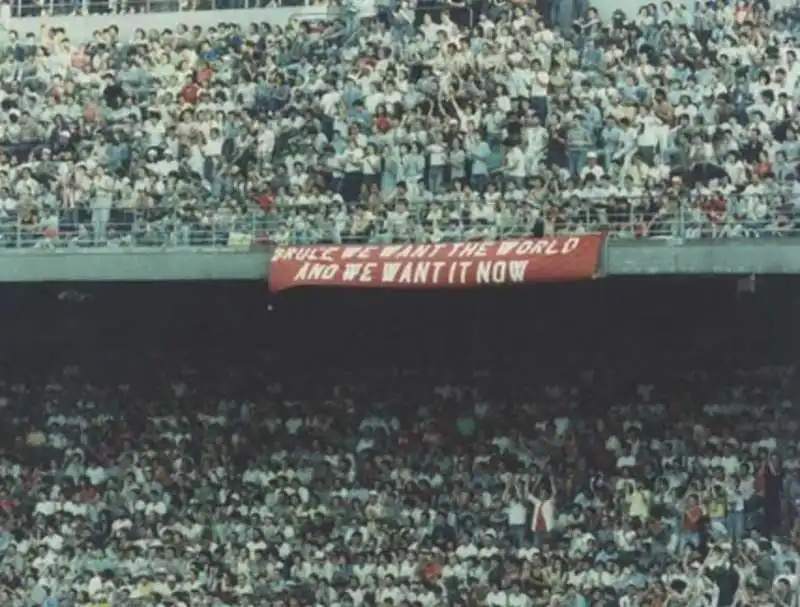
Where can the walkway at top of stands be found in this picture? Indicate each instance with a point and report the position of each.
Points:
(81, 27)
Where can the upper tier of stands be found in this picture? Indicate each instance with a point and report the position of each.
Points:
(423, 122)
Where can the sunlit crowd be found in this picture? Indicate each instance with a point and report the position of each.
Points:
(423, 123)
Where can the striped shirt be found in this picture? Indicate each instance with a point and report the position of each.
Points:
(578, 137)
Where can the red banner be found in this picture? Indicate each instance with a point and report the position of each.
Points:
(437, 266)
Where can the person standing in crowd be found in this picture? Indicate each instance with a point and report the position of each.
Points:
(515, 511)
(771, 479)
(543, 509)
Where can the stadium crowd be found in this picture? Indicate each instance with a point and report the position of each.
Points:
(426, 123)
(189, 501)
(227, 476)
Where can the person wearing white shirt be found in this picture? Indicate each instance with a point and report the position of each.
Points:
(497, 598)
(514, 168)
(353, 165)
(213, 147)
(516, 515)
(96, 475)
(649, 137)
(466, 551)
(374, 99)
(735, 519)
(371, 166)
(592, 167)
(330, 101)
(736, 169)
(686, 108)
(515, 598)
(437, 151)
(639, 501)
(539, 88)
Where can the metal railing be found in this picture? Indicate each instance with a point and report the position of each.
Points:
(40, 8)
(663, 216)
(122, 229)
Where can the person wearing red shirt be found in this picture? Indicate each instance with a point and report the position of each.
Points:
(431, 572)
(190, 93)
(204, 75)
(691, 525)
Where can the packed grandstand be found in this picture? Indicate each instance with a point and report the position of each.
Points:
(609, 443)
(426, 123)
(606, 443)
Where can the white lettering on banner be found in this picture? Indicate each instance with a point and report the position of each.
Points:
(469, 249)
(359, 272)
(463, 250)
(430, 273)
(305, 253)
(500, 272)
(413, 251)
(538, 247)
(506, 262)
(358, 252)
(457, 250)
(317, 271)
(414, 272)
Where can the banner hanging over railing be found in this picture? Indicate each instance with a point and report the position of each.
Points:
(449, 265)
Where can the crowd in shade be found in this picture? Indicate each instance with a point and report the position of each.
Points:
(184, 479)
(425, 123)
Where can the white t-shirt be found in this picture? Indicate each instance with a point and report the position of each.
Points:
(438, 154)
(497, 599)
(539, 84)
(595, 170)
(354, 158)
(515, 513)
(515, 161)
(371, 165)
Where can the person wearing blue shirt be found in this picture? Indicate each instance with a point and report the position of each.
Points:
(360, 115)
(611, 137)
(593, 116)
(479, 153)
(579, 142)
(783, 169)
(575, 599)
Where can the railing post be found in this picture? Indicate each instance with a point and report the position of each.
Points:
(252, 229)
(631, 218)
(19, 232)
